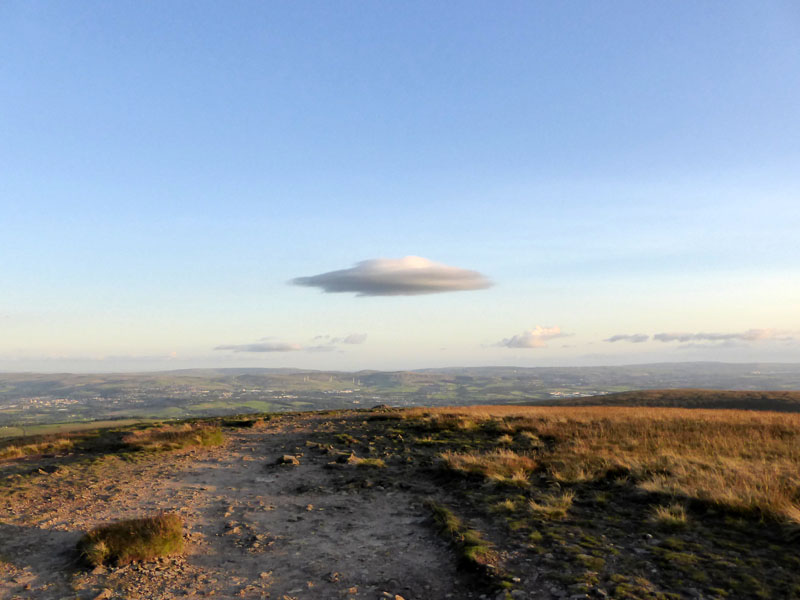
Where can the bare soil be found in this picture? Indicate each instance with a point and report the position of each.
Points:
(254, 529)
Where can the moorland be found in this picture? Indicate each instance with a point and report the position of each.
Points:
(494, 501)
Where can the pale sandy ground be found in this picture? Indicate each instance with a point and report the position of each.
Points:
(253, 530)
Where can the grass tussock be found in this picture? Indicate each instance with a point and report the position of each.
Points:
(473, 551)
(499, 466)
(553, 506)
(174, 437)
(136, 539)
(737, 460)
(670, 517)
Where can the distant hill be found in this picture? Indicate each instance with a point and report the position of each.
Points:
(693, 398)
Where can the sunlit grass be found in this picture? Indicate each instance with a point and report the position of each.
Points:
(552, 506)
(53, 446)
(499, 466)
(740, 460)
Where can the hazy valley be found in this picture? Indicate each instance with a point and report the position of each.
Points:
(30, 400)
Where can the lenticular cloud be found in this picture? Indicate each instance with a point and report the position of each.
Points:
(409, 276)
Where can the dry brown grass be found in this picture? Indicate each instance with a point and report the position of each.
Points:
(553, 505)
(672, 516)
(54, 446)
(500, 466)
(741, 460)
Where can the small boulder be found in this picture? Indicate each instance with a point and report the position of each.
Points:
(288, 459)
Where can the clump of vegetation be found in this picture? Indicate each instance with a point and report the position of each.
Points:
(47, 446)
(446, 422)
(346, 438)
(553, 505)
(134, 539)
(670, 517)
(366, 462)
(505, 506)
(174, 437)
(499, 466)
(472, 549)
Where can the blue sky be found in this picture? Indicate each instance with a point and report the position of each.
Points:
(619, 168)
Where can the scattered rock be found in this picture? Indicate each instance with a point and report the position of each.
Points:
(288, 459)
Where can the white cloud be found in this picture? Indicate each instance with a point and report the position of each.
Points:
(634, 338)
(533, 338)
(409, 276)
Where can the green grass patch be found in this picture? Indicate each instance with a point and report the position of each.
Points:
(174, 437)
(472, 549)
(135, 539)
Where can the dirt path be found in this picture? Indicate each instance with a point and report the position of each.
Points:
(254, 529)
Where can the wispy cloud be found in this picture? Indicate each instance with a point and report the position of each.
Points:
(409, 276)
(634, 338)
(751, 335)
(533, 338)
(353, 338)
(261, 347)
(325, 343)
